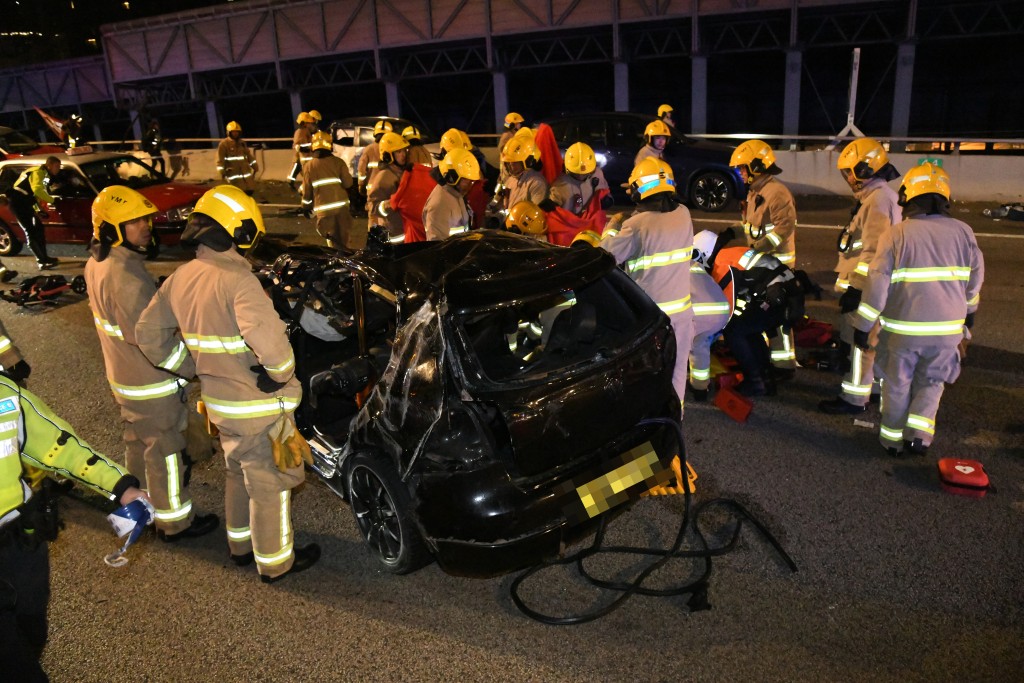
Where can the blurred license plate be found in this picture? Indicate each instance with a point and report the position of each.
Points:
(615, 482)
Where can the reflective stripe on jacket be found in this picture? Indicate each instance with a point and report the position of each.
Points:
(771, 210)
(228, 325)
(925, 278)
(236, 163)
(878, 211)
(323, 185)
(445, 213)
(120, 288)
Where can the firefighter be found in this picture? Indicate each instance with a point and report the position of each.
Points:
(394, 160)
(418, 154)
(151, 400)
(526, 218)
(769, 223)
(764, 296)
(326, 182)
(35, 441)
(711, 313)
(214, 309)
(317, 118)
(521, 160)
(665, 114)
(656, 136)
(865, 167)
(235, 160)
(71, 132)
(513, 122)
(302, 143)
(370, 157)
(581, 183)
(152, 144)
(923, 287)
(655, 245)
(446, 211)
(29, 198)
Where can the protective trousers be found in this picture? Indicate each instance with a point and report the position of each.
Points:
(682, 326)
(23, 209)
(783, 349)
(336, 228)
(154, 438)
(24, 594)
(257, 502)
(912, 383)
(859, 379)
(744, 335)
(700, 360)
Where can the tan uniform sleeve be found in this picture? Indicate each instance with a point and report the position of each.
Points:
(876, 223)
(159, 338)
(782, 211)
(263, 330)
(222, 151)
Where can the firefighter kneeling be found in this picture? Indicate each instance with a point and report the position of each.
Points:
(247, 371)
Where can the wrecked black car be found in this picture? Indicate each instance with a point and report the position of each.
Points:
(478, 400)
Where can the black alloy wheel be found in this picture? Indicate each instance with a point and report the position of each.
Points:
(381, 504)
(9, 244)
(710, 191)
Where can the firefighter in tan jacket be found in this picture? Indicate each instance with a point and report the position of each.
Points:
(923, 288)
(446, 212)
(326, 181)
(865, 167)
(521, 161)
(418, 154)
(215, 308)
(769, 223)
(235, 161)
(394, 159)
(152, 400)
(302, 143)
(370, 157)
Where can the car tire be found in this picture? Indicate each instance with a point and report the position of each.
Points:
(711, 191)
(9, 244)
(381, 506)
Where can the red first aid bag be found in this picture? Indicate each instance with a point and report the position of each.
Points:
(963, 477)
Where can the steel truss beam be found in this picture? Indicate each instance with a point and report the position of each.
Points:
(456, 59)
(655, 41)
(590, 48)
(731, 33)
(322, 73)
(832, 27)
(961, 20)
(235, 83)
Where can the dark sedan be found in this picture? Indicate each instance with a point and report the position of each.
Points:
(479, 401)
(703, 177)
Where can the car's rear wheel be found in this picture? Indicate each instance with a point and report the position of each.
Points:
(710, 191)
(9, 244)
(380, 503)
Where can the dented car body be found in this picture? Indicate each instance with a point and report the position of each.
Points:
(478, 400)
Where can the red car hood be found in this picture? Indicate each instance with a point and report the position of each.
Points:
(170, 195)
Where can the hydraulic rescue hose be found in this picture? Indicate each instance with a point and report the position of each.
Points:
(697, 589)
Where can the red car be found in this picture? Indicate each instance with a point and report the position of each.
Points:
(82, 176)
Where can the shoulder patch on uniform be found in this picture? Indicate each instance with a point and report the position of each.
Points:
(8, 406)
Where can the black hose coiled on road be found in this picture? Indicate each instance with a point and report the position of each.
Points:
(697, 589)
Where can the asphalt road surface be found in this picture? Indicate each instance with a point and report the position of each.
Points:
(897, 580)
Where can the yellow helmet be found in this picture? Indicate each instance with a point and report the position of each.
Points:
(511, 119)
(382, 127)
(223, 217)
(411, 133)
(458, 164)
(521, 148)
(925, 179)
(655, 128)
(114, 206)
(864, 157)
(315, 115)
(665, 109)
(389, 144)
(322, 140)
(587, 237)
(304, 117)
(527, 218)
(579, 158)
(453, 139)
(233, 125)
(651, 176)
(755, 155)
(525, 132)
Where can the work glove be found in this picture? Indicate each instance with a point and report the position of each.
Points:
(263, 381)
(19, 372)
(860, 340)
(969, 321)
(850, 300)
(726, 236)
(288, 447)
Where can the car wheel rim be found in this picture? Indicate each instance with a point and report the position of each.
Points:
(376, 515)
(5, 241)
(710, 192)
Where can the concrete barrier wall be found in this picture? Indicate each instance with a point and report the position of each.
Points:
(996, 179)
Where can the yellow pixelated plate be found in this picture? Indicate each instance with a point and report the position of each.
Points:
(617, 481)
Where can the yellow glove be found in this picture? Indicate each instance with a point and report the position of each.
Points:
(289, 448)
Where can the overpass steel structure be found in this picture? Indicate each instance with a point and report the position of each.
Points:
(272, 46)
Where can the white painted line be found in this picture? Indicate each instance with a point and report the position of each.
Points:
(818, 226)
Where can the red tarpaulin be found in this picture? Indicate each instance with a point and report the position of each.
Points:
(55, 124)
(412, 193)
(550, 155)
(564, 225)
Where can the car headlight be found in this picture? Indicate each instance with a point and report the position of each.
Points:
(179, 214)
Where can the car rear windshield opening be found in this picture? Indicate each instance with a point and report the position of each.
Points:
(533, 339)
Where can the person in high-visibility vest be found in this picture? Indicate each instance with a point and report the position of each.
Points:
(923, 288)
